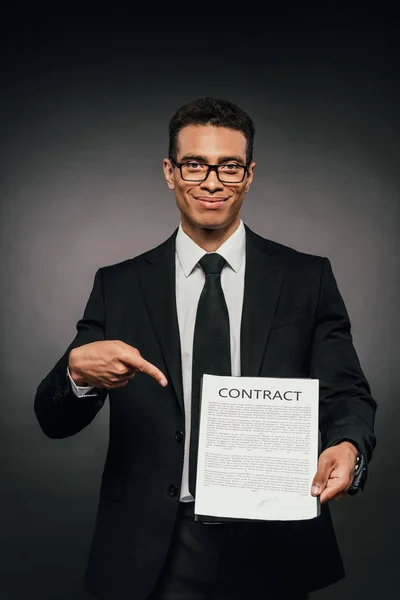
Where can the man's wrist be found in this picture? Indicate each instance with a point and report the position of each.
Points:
(359, 467)
(78, 381)
(352, 447)
(76, 378)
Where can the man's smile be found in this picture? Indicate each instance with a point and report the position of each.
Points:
(211, 201)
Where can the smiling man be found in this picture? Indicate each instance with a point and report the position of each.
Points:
(215, 297)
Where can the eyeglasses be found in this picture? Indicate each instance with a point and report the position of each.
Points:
(196, 172)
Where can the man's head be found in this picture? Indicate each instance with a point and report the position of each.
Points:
(210, 131)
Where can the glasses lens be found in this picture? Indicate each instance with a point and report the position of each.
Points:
(228, 173)
(231, 173)
(194, 171)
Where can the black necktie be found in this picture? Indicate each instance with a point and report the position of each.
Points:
(211, 346)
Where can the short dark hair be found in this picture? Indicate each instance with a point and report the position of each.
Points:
(211, 111)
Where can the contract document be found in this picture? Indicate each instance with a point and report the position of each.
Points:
(258, 449)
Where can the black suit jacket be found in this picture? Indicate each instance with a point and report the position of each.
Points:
(294, 324)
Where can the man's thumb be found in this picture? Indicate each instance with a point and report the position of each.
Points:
(321, 477)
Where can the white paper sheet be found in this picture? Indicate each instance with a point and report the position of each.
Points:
(258, 448)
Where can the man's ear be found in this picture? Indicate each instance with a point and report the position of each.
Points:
(169, 173)
(250, 172)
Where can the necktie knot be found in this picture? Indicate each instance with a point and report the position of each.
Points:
(212, 263)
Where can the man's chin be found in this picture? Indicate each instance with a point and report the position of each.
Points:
(208, 220)
(211, 223)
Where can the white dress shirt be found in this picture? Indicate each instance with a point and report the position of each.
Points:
(190, 279)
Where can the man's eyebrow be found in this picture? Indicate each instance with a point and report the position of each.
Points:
(196, 157)
(235, 157)
(203, 159)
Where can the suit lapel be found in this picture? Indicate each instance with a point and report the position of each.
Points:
(157, 280)
(262, 285)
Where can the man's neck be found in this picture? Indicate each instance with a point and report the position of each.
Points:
(209, 239)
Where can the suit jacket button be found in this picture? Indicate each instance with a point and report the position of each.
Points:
(179, 436)
(173, 490)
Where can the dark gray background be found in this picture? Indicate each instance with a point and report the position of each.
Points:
(86, 102)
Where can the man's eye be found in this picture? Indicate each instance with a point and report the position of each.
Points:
(194, 166)
(230, 167)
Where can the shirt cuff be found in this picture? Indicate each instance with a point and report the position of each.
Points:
(79, 390)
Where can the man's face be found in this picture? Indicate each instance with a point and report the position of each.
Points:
(209, 204)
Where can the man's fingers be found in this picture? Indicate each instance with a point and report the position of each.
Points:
(153, 371)
(335, 489)
(334, 475)
(120, 384)
(339, 496)
(337, 485)
(145, 366)
(134, 359)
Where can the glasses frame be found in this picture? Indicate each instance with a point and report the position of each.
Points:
(209, 169)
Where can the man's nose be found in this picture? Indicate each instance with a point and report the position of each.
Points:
(212, 182)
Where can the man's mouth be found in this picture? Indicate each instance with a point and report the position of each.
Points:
(211, 201)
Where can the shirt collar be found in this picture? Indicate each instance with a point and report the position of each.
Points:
(189, 253)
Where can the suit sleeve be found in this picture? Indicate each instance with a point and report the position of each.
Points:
(59, 411)
(347, 409)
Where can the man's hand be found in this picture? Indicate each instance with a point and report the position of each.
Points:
(109, 364)
(335, 472)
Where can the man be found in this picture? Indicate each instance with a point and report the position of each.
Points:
(213, 293)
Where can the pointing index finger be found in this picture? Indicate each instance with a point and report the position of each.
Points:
(144, 366)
